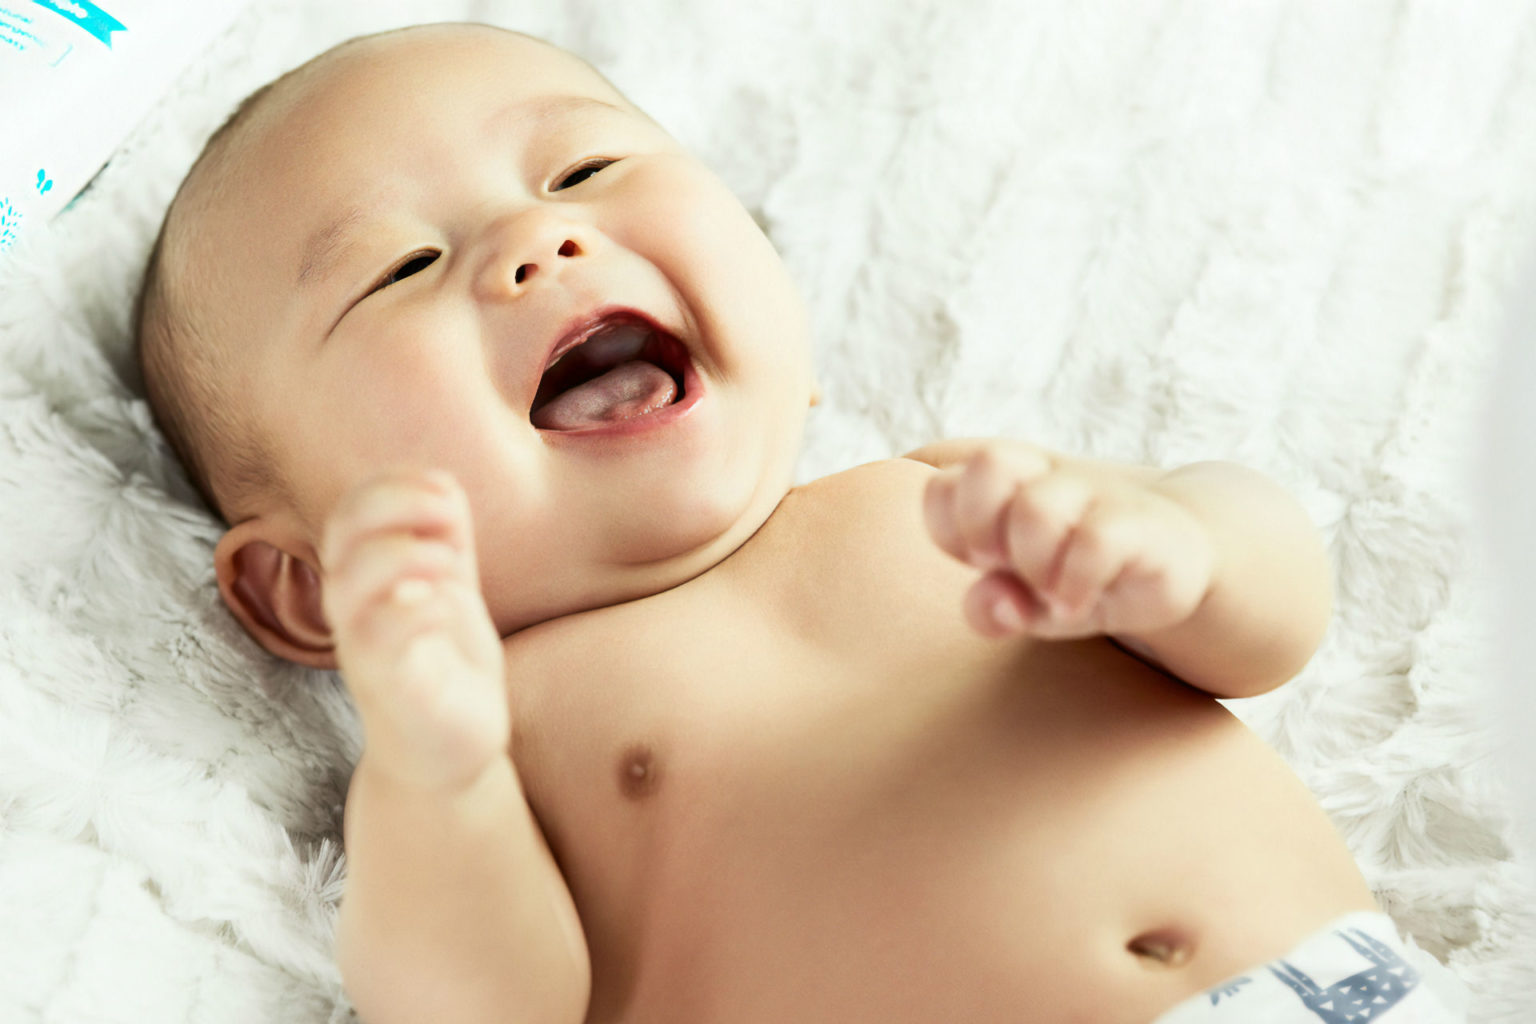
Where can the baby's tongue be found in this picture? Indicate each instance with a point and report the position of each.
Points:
(628, 390)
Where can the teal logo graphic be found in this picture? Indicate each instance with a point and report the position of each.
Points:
(10, 224)
(44, 183)
(88, 16)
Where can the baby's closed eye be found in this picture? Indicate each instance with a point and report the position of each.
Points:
(581, 172)
(415, 263)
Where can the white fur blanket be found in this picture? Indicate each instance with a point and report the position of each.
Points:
(1278, 231)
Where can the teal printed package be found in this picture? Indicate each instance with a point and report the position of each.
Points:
(75, 78)
(87, 15)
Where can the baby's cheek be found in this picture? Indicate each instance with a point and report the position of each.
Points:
(385, 417)
(685, 206)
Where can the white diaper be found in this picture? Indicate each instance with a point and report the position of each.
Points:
(1356, 969)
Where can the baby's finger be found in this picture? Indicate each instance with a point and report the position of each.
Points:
(426, 504)
(415, 608)
(369, 651)
(999, 605)
(1099, 550)
(981, 496)
(378, 566)
(939, 512)
(1040, 520)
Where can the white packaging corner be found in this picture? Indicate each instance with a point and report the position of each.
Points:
(75, 78)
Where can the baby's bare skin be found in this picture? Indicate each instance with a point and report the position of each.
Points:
(650, 735)
(801, 786)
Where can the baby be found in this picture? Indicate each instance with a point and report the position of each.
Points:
(500, 392)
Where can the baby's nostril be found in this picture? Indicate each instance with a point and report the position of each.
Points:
(527, 270)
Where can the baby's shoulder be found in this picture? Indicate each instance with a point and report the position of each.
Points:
(833, 511)
(863, 526)
(869, 480)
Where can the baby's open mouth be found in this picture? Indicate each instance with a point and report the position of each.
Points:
(624, 367)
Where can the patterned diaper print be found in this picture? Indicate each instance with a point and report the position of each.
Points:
(1355, 971)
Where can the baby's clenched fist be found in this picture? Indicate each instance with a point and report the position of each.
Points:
(414, 640)
(1069, 548)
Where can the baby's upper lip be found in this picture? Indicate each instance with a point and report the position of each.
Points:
(581, 327)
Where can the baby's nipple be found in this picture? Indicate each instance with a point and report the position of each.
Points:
(639, 772)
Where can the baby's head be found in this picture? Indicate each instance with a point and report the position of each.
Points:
(374, 264)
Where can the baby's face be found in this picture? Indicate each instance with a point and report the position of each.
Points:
(423, 226)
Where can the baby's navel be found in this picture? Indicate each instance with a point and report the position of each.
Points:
(1165, 947)
(639, 772)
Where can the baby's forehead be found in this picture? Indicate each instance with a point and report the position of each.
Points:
(451, 61)
(341, 108)
(311, 115)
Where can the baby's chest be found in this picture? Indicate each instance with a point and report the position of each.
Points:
(838, 627)
(812, 678)
(841, 609)
(837, 634)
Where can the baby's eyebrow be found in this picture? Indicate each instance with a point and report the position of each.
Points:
(327, 245)
(534, 112)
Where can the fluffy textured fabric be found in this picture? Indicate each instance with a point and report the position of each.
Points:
(1277, 232)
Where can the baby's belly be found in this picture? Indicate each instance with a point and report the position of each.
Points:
(1091, 843)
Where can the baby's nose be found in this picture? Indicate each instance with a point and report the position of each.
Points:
(568, 248)
(521, 249)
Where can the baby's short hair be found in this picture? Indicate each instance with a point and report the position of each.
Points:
(192, 398)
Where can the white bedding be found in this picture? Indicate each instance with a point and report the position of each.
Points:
(1279, 232)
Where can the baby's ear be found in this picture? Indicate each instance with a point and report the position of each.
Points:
(274, 593)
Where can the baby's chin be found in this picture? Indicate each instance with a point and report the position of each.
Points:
(642, 569)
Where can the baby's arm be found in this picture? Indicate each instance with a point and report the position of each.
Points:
(1210, 571)
(454, 909)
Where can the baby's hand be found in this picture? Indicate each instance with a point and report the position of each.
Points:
(1070, 548)
(414, 639)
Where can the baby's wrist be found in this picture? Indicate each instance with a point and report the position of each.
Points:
(408, 775)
